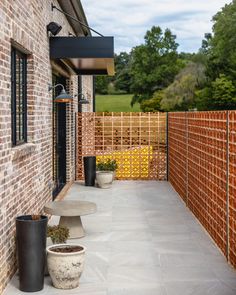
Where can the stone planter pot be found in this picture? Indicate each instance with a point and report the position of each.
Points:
(65, 268)
(104, 178)
(49, 243)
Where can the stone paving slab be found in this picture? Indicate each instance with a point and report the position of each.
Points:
(144, 241)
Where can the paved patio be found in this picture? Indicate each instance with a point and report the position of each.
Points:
(144, 241)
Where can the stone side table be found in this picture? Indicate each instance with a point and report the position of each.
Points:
(70, 212)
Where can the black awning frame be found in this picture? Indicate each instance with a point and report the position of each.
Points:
(77, 50)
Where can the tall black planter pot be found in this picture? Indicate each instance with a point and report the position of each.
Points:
(31, 249)
(90, 170)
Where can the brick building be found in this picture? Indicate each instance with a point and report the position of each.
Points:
(37, 135)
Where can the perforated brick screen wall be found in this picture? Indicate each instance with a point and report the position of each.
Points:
(202, 169)
(136, 140)
(232, 187)
(177, 148)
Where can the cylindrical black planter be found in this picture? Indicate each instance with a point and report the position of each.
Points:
(31, 248)
(90, 170)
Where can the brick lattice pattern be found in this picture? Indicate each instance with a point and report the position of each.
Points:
(177, 146)
(136, 140)
(232, 187)
(199, 156)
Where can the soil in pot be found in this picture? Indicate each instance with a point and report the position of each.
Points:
(67, 249)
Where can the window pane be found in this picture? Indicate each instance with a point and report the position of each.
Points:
(19, 98)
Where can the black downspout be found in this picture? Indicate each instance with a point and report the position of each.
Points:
(76, 125)
(79, 93)
(94, 93)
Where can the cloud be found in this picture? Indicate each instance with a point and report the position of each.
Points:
(128, 20)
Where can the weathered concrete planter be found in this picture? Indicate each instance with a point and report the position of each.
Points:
(104, 178)
(65, 269)
(48, 243)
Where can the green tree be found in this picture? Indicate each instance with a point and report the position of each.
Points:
(203, 99)
(154, 64)
(206, 43)
(222, 44)
(122, 60)
(123, 78)
(101, 84)
(120, 83)
(153, 104)
(223, 93)
(180, 95)
(220, 49)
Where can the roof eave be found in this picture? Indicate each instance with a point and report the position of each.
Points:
(75, 9)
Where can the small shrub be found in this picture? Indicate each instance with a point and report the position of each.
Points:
(109, 165)
(58, 234)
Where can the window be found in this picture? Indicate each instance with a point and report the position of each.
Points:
(19, 96)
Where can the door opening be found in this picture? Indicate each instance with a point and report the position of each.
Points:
(59, 139)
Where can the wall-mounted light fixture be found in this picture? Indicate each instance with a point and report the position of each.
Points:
(83, 99)
(54, 28)
(75, 19)
(63, 97)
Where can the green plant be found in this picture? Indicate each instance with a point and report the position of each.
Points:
(59, 234)
(109, 165)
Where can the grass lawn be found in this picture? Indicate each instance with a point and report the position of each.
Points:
(115, 103)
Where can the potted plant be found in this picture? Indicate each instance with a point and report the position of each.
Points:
(106, 173)
(65, 264)
(56, 234)
(31, 231)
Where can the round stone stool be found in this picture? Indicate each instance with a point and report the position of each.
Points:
(70, 212)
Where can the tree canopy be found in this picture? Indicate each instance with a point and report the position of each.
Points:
(160, 78)
(181, 93)
(121, 82)
(220, 50)
(154, 64)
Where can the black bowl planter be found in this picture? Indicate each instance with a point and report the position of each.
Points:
(90, 170)
(31, 233)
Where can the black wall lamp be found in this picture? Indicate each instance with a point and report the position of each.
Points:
(75, 19)
(63, 97)
(54, 28)
(83, 100)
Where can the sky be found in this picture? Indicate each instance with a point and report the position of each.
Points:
(128, 20)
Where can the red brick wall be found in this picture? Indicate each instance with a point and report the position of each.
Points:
(177, 148)
(232, 187)
(198, 153)
(26, 171)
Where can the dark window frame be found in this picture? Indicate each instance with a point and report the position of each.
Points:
(21, 93)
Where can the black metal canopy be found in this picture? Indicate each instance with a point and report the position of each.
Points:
(85, 55)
